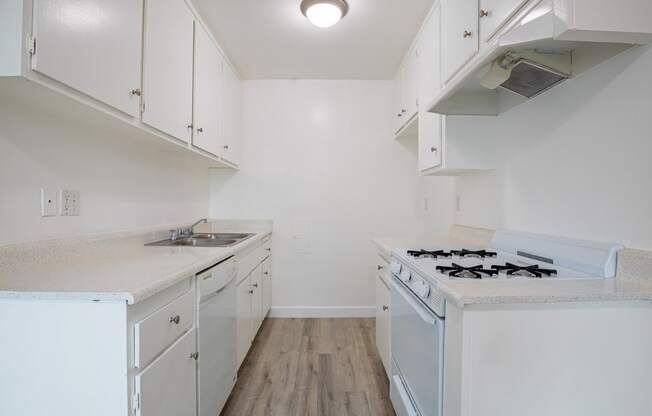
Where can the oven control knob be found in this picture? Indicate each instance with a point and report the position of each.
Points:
(395, 267)
(405, 275)
(422, 289)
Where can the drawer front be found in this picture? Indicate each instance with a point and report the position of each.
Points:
(159, 330)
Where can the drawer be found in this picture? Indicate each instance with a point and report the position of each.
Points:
(159, 330)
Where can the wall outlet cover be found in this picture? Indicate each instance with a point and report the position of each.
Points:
(48, 202)
(70, 201)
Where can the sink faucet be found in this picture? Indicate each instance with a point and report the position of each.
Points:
(186, 232)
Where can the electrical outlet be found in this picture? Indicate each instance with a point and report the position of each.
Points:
(69, 202)
(48, 202)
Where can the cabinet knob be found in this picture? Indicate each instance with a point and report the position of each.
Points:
(265, 273)
(189, 126)
(433, 149)
(399, 115)
(268, 249)
(379, 267)
(484, 13)
(385, 307)
(137, 92)
(194, 356)
(255, 285)
(403, 110)
(175, 319)
(251, 292)
(467, 34)
(200, 130)
(226, 147)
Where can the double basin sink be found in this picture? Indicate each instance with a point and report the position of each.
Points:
(204, 240)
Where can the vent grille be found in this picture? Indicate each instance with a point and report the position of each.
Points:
(530, 79)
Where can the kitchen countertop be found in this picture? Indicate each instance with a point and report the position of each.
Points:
(632, 283)
(112, 267)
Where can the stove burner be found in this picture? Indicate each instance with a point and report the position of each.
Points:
(426, 253)
(473, 253)
(473, 272)
(528, 271)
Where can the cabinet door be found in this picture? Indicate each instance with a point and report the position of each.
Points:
(168, 387)
(398, 112)
(411, 84)
(267, 286)
(459, 36)
(243, 300)
(493, 13)
(382, 322)
(208, 94)
(167, 67)
(257, 300)
(232, 113)
(93, 46)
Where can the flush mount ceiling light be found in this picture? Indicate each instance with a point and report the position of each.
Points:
(324, 13)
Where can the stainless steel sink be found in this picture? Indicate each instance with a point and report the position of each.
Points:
(204, 240)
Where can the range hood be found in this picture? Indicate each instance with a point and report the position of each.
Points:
(542, 46)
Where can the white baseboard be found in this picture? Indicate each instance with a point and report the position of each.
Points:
(322, 312)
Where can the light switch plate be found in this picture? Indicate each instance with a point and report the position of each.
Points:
(70, 201)
(48, 202)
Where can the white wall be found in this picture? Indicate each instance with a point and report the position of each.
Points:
(320, 161)
(124, 184)
(576, 159)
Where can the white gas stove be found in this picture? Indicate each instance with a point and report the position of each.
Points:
(419, 308)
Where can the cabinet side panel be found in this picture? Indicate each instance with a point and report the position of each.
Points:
(11, 32)
(63, 358)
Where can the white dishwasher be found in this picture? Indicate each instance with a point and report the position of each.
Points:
(217, 336)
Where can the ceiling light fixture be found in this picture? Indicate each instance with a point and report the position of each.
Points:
(324, 13)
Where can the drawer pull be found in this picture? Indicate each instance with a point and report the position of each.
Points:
(175, 319)
(194, 356)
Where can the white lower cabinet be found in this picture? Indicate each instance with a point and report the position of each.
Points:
(168, 387)
(383, 298)
(243, 301)
(256, 300)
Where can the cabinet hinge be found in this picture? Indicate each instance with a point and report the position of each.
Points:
(31, 45)
(135, 402)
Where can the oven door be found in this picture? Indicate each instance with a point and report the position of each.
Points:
(417, 353)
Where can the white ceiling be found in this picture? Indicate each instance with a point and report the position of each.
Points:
(271, 39)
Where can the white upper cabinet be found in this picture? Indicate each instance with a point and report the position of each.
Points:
(493, 13)
(406, 89)
(168, 67)
(398, 101)
(232, 132)
(209, 94)
(459, 34)
(93, 46)
(430, 133)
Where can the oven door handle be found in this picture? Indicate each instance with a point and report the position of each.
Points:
(421, 310)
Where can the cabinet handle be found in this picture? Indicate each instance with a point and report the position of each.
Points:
(175, 319)
(255, 284)
(194, 356)
(467, 34)
(433, 149)
(189, 126)
(265, 273)
(379, 267)
(251, 292)
(385, 307)
(399, 114)
(137, 92)
(226, 147)
(484, 13)
(200, 130)
(404, 111)
(268, 249)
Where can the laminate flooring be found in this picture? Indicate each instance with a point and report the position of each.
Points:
(312, 367)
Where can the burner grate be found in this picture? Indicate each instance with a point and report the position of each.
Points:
(528, 271)
(429, 253)
(473, 272)
(474, 253)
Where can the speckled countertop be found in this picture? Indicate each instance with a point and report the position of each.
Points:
(633, 281)
(115, 266)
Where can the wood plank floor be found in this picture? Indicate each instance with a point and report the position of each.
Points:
(312, 367)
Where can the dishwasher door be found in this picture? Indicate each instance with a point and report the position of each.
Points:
(217, 337)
